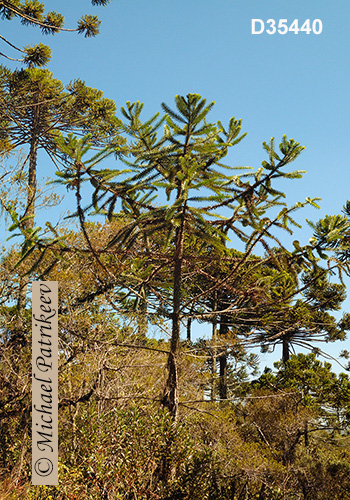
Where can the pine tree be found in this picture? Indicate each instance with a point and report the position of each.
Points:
(331, 237)
(205, 201)
(32, 13)
(35, 110)
(300, 313)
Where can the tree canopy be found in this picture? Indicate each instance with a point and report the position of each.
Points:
(182, 238)
(32, 13)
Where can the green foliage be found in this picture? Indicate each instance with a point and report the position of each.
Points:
(32, 10)
(184, 163)
(286, 432)
(89, 26)
(174, 213)
(78, 109)
(321, 389)
(53, 22)
(32, 13)
(181, 163)
(38, 55)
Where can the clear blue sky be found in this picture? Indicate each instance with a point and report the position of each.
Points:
(278, 84)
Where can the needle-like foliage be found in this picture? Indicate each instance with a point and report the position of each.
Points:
(174, 189)
(32, 13)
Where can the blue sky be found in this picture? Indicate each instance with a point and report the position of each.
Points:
(296, 85)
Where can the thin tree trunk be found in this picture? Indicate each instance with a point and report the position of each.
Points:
(214, 359)
(262, 492)
(33, 156)
(223, 376)
(29, 212)
(306, 434)
(19, 464)
(172, 383)
(142, 323)
(188, 329)
(223, 362)
(73, 412)
(170, 398)
(285, 349)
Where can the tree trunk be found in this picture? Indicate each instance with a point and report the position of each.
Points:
(170, 397)
(188, 328)
(306, 434)
(214, 359)
(285, 349)
(223, 361)
(29, 212)
(33, 156)
(262, 492)
(142, 323)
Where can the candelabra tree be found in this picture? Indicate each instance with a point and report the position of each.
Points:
(35, 109)
(197, 197)
(32, 13)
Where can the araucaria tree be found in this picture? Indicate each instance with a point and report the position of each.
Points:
(32, 13)
(188, 240)
(36, 109)
(200, 205)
